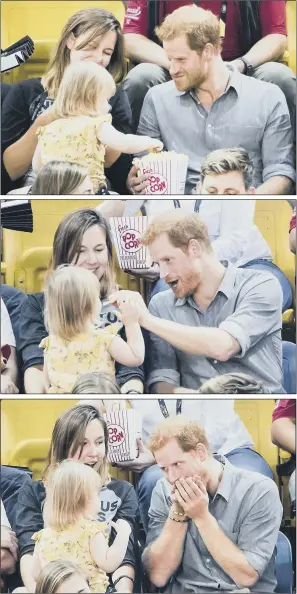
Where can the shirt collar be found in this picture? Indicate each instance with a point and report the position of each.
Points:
(234, 82)
(226, 287)
(225, 487)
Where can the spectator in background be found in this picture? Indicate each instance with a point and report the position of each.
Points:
(217, 319)
(93, 34)
(9, 372)
(283, 434)
(292, 232)
(61, 577)
(217, 106)
(254, 39)
(8, 548)
(210, 524)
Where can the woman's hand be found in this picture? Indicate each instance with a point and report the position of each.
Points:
(46, 117)
(149, 274)
(137, 184)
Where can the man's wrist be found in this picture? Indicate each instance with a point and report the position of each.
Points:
(203, 521)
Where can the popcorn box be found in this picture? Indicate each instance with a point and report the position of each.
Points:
(124, 427)
(126, 233)
(167, 170)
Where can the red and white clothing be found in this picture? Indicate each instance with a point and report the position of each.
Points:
(272, 18)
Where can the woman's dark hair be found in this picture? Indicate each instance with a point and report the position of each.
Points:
(68, 240)
(96, 383)
(69, 433)
(94, 23)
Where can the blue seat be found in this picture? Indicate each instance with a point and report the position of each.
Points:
(284, 565)
(289, 367)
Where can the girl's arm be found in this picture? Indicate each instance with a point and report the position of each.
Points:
(36, 161)
(126, 143)
(129, 353)
(110, 558)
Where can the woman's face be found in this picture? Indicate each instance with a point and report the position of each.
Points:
(93, 450)
(86, 187)
(99, 50)
(93, 253)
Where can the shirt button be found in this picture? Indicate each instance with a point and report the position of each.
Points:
(215, 361)
(207, 560)
(209, 126)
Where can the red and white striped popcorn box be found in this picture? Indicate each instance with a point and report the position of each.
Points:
(124, 428)
(126, 233)
(167, 172)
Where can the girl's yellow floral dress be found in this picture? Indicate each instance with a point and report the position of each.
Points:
(73, 544)
(67, 360)
(75, 139)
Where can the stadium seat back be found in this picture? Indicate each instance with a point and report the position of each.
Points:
(284, 565)
(273, 219)
(257, 417)
(26, 255)
(26, 429)
(289, 367)
(291, 31)
(43, 22)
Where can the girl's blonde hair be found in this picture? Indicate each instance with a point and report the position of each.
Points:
(82, 86)
(54, 574)
(71, 301)
(70, 490)
(93, 24)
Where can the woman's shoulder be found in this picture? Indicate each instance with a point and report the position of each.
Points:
(34, 490)
(35, 301)
(120, 487)
(27, 89)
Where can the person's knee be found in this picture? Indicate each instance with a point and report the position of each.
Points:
(144, 76)
(280, 75)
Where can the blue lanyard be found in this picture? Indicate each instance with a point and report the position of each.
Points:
(164, 409)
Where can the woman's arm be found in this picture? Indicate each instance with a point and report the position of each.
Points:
(36, 161)
(46, 378)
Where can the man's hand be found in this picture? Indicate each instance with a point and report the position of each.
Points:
(150, 274)
(143, 461)
(128, 313)
(239, 65)
(9, 541)
(7, 385)
(137, 184)
(191, 494)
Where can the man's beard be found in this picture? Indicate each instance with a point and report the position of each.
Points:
(189, 82)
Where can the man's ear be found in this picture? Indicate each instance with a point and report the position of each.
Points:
(201, 452)
(199, 188)
(251, 190)
(70, 41)
(194, 247)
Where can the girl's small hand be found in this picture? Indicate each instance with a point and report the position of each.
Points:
(129, 312)
(156, 146)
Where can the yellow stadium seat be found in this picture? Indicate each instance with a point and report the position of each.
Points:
(273, 218)
(26, 255)
(257, 418)
(26, 428)
(43, 21)
(290, 54)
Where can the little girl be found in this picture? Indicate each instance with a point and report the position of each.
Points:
(72, 531)
(82, 128)
(75, 345)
